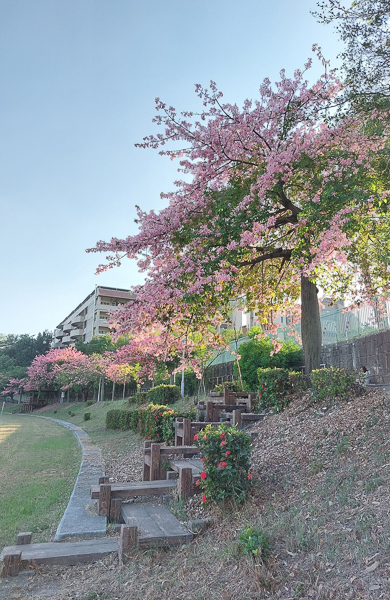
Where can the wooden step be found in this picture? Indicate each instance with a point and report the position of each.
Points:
(157, 526)
(62, 553)
(194, 463)
(137, 488)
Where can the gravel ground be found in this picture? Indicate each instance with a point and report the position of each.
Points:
(321, 494)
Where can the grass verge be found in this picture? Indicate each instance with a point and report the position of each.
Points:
(38, 467)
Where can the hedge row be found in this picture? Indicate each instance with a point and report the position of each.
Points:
(153, 422)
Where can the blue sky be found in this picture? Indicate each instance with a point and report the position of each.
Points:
(78, 82)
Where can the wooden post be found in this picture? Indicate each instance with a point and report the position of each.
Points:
(237, 417)
(104, 479)
(187, 441)
(155, 456)
(24, 538)
(225, 395)
(12, 562)
(128, 543)
(115, 510)
(179, 431)
(185, 482)
(146, 469)
(209, 411)
(104, 500)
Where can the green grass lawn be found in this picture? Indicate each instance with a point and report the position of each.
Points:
(39, 463)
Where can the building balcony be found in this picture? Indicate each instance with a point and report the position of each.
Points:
(76, 333)
(67, 327)
(66, 339)
(59, 333)
(77, 320)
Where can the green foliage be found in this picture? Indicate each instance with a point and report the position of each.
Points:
(139, 398)
(118, 419)
(328, 384)
(256, 354)
(153, 422)
(297, 383)
(226, 463)
(22, 349)
(86, 416)
(163, 394)
(191, 382)
(98, 345)
(232, 386)
(274, 389)
(253, 542)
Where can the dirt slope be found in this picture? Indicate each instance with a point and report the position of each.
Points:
(321, 494)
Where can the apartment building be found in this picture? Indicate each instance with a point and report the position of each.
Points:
(90, 317)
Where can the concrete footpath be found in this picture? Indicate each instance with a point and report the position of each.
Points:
(81, 519)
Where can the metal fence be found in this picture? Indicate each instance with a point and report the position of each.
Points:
(337, 326)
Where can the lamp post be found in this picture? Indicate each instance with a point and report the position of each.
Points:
(182, 370)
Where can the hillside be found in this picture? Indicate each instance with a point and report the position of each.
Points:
(321, 495)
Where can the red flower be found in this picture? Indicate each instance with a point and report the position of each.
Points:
(203, 475)
(227, 453)
(196, 436)
(249, 476)
(287, 396)
(197, 482)
(203, 459)
(222, 465)
(159, 414)
(205, 437)
(204, 498)
(223, 443)
(222, 434)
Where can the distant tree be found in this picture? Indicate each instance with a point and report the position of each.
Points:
(364, 27)
(24, 348)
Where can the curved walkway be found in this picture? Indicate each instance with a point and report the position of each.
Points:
(80, 518)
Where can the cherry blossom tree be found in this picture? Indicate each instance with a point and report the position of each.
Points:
(277, 198)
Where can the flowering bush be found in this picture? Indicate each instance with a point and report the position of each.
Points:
(274, 389)
(226, 463)
(152, 422)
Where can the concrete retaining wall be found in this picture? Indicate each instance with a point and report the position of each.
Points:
(371, 351)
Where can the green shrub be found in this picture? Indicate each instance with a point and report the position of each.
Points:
(297, 383)
(256, 353)
(138, 398)
(328, 384)
(232, 386)
(163, 394)
(118, 419)
(90, 402)
(253, 542)
(87, 416)
(153, 422)
(274, 389)
(226, 463)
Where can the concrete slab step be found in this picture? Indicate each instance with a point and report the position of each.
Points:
(157, 526)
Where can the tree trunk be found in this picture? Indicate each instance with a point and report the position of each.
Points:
(311, 331)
